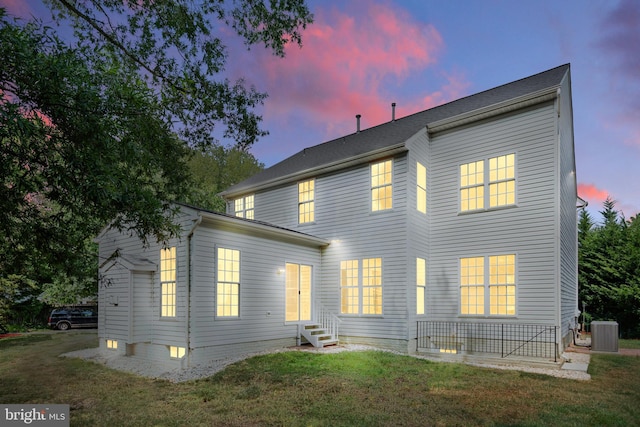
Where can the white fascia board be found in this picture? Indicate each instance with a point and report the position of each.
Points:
(315, 171)
(258, 227)
(509, 105)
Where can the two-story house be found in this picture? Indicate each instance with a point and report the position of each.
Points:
(451, 230)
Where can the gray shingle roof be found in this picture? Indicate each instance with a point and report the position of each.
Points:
(394, 133)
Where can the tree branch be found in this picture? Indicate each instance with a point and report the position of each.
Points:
(114, 41)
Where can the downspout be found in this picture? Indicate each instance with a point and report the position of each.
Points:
(130, 337)
(189, 263)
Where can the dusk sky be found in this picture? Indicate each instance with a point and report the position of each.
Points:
(360, 56)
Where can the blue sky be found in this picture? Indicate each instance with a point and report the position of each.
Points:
(360, 56)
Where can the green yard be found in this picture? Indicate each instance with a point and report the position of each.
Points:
(309, 389)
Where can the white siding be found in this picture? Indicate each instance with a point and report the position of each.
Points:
(527, 230)
(568, 215)
(262, 291)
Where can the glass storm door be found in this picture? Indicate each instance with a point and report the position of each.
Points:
(298, 292)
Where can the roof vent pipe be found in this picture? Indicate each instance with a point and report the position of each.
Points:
(358, 122)
(393, 111)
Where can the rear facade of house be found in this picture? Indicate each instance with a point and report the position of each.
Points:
(436, 232)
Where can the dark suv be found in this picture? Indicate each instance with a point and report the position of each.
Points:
(65, 318)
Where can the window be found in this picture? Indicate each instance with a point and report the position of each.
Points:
(472, 285)
(176, 352)
(168, 282)
(421, 284)
(365, 297)
(381, 186)
(500, 180)
(112, 344)
(228, 287)
(306, 196)
(499, 274)
(472, 186)
(421, 188)
(349, 287)
(244, 207)
(372, 286)
(502, 285)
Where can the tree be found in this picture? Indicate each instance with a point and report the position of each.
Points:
(217, 168)
(97, 130)
(609, 268)
(177, 48)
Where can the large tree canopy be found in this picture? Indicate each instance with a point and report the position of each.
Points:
(176, 46)
(98, 128)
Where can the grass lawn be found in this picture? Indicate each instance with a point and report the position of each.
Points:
(309, 389)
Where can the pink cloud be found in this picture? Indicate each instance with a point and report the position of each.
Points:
(347, 65)
(592, 194)
(16, 7)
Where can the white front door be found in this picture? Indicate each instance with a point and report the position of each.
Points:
(298, 292)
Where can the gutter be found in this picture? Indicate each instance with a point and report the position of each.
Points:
(503, 107)
(315, 171)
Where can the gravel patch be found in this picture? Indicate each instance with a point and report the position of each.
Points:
(176, 375)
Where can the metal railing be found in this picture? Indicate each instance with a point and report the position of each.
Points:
(325, 318)
(526, 340)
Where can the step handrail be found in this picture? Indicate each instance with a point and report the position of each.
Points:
(327, 320)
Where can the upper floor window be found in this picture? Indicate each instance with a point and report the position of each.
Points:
(243, 207)
(168, 282)
(361, 297)
(489, 183)
(306, 201)
(421, 188)
(228, 286)
(502, 180)
(381, 185)
(497, 273)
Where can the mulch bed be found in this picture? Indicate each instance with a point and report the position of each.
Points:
(9, 335)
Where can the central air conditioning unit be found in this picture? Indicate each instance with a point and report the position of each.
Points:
(604, 336)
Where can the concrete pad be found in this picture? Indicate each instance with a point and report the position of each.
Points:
(575, 366)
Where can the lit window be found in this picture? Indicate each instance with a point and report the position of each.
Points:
(176, 352)
(381, 185)
(372, 286)
(112, 344)
(472, 186)
(502, 285)
(365, 297)
(421, 284)
(168, 282)
(421, 188)
(228, 287)
(501, 295)
(298, 292)
(495, 189)
(244, 207)
(349, 287)
(472, 285)
(306, 195)
(502, 181)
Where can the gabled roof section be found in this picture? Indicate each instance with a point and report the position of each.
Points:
(128, 261)
(390, 138)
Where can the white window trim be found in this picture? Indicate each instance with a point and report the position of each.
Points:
(360, 287)
(392, 185)
(487, 295)
(486, 183)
